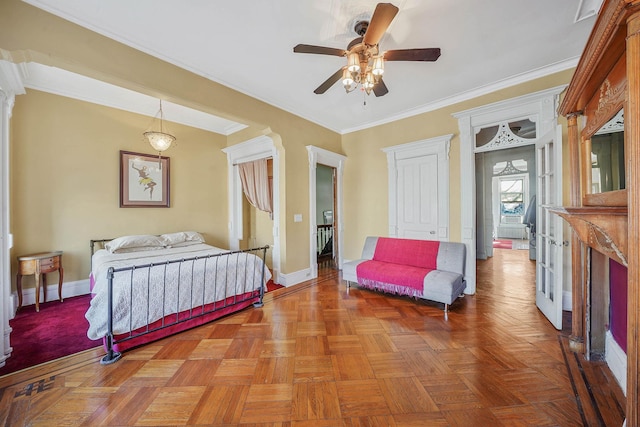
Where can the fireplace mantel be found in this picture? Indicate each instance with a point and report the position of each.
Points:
(600, 227)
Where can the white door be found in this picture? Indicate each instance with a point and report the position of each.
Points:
(418, 197)
(549, 228)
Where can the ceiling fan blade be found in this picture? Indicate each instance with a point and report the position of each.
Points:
(380, 89)
(427, 54)
(321, 50)
(329, 82)
(380, 21)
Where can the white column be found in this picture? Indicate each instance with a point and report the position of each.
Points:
(6, 308)
(11, 77)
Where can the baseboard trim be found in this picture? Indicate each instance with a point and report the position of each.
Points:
(69, 289)
(294, 278)
(567, 301)
(617, 360)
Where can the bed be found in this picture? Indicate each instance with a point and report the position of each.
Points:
(147, 287)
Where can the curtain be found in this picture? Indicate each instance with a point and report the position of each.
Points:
(255, 184)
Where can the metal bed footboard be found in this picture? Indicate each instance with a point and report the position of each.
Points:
(198, 308)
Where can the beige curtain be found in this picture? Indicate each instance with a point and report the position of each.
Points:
(255, 184)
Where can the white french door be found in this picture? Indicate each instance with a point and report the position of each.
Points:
(549, 239)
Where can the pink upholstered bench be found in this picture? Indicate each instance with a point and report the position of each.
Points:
(427, 269)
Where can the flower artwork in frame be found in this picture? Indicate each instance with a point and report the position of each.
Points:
(144, 180)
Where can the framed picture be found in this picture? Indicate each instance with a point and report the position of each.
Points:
(144, 180)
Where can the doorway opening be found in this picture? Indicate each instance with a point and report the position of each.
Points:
(262, 147)
(526, 120)
(326, 234)
(505, 201)
(257, 227)
(330, 211)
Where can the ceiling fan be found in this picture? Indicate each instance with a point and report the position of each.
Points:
(365, 62)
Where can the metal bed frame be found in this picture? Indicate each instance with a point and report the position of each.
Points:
(175, 320)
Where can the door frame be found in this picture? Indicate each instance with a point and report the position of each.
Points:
(336, 161)
(438, 146)
(541, 108)
(253, 149)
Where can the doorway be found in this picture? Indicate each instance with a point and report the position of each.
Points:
(325, 160)
(262, 147)
(527, 120)
(326, 234)
(506, 189)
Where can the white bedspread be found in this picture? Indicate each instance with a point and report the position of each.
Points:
(186, 284)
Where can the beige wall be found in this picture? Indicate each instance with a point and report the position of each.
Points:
(365, 179)
(65, 174)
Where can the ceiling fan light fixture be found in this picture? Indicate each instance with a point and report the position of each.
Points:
(347, 80)
(378, 66)
(353, 62)
(365, 60)
(368, 83)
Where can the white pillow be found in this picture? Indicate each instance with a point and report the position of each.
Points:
(177, 239)
(141, 249)
(193, 236)
(183, 244)
(171, 239)
(143, 241)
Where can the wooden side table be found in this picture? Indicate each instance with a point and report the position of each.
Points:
(39, 264)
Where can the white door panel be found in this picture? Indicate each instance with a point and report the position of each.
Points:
(549, 228)
(418, 197)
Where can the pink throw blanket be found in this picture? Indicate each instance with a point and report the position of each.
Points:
(399, 265)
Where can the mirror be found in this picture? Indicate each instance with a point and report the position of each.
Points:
(607, 156)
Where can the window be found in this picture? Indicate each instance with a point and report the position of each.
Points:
(511, 197)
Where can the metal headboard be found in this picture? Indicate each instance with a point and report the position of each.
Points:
(101, 242)
(92, 244)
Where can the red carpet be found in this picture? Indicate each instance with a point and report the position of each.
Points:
(502, 244)
(57, 330)
(273, 286)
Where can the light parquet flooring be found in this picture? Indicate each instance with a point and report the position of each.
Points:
(321, 354)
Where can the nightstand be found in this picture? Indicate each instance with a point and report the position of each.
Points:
(39, 264)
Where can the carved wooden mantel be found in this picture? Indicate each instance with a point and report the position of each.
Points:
(604, 229)
(607, 79)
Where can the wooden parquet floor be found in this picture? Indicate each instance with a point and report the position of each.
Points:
(321, 354)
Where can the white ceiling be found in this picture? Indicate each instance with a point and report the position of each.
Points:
(247, 45)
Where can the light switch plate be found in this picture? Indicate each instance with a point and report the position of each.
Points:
(297, 217)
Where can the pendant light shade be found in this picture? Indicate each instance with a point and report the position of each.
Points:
(159, 139)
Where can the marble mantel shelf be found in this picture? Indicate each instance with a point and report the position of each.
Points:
(601, 228)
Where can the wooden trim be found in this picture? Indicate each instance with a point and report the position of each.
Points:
(605, 46)
(608, 100)
(610, 198)
(632, 148)
(578, 331)
(601, 228)
(603, 221)
(574, 159)
(576, 341)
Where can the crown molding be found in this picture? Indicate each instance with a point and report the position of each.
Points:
(12, 77)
